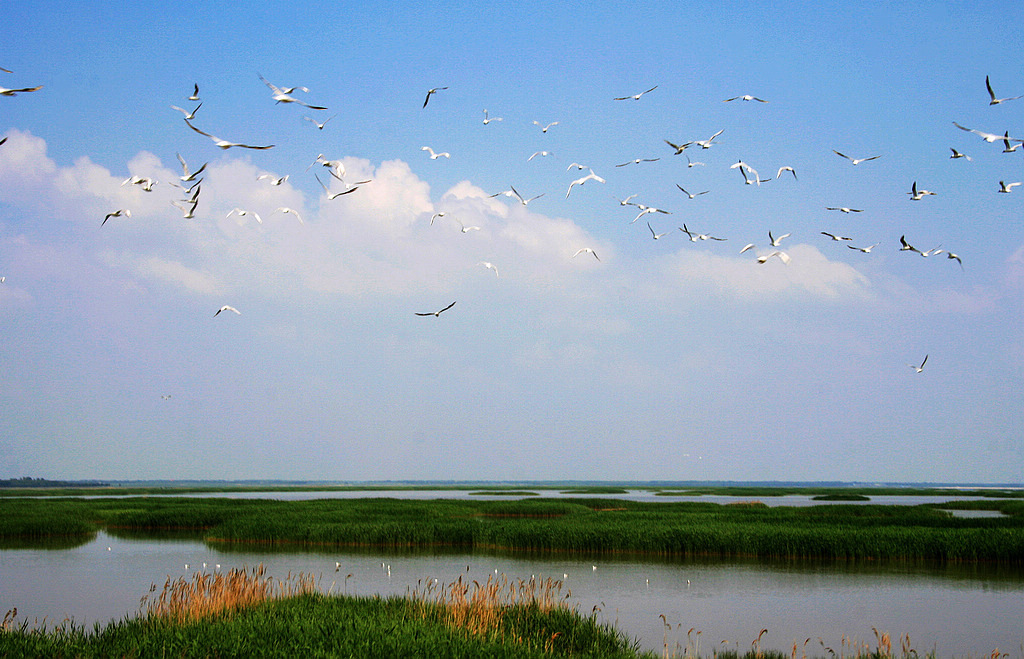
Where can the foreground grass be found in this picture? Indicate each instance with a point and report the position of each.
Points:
(592, 526)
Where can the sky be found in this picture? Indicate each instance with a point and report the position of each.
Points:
(656, 359)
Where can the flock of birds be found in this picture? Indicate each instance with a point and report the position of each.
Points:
(190, 181)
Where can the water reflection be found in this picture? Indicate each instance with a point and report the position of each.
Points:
(958, 610)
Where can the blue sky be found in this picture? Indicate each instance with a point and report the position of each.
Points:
(665, 359)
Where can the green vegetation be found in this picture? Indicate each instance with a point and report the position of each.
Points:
(590, 525)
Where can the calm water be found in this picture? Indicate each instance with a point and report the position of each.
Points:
(955, 611)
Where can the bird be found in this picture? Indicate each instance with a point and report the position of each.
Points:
(644, 210)
(431, 92)
(745, 97)
(988, 137)
(544, 128)
(866, 250)
(434, 314)
(525, 201)
(5, 70)
(145, 182)
(580, 181)
(694, 237)
(488, 119)
(636, 97)
(706, 144)
(2, 140)
(1006, 188)
(186, 175)
(330, 195)
(320, 125)
(626, 201)
(637, 161)
(844, 209)
(776, 241)
(227, 308)
(538, 153)
(274, 180)
(787, 168)
(855, 161)
(435, 216)
(782, 257)
(195, 93)
(224, 144)
(578, 166)
(934, 251)
(679, 147)
(918, 195)
(693, 163)
(834, 236)
(587, 250)
(488, 264)
(955, 257)
(957, 154)
(121, 212)
(920, 368)
(285, 95)
(242, 212)
(907, 247)
(435, 156)
(188, 208)
(992, 94)
(656, 236)
(744, 168)
(466, 229)
(1006, 143)
(336, 167)
(691, 195)
(285, 209)
(188, 115)
(14, 92)
(748, 246)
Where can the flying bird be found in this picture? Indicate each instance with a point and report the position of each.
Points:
(14, 92)
(636, 97)
(626, 201)
(866, 250)
(920, 368)
(188, 115)
(544, 128)
(466, 229)
(656, 236)
(776, 241)
(525, 201)
(957, 154)
(587, 250)
(745, 97)
(335, 195)
(227, 308)
(224, 144)
(691, 195)
(274, 180)
(580, 181)
(1006, 143)
(431, 92)
(744, 168)
(186, 175)
(918, 195)
(195, 93)
(955, 257)
(988, 137)
(121, 212)
(992, 94)
(488, 119)
(319, 125)
(435, 156)
(489, 265)
(336, 167)
(242, 212)
(1007, 187)
(644, 210)
(436, 313)
(855, 161)
(844, 209)
(285, 95)
(782, 257)
(285, 209)
(435, 216)
(706, 144)
(787, 168)
(637, 161)
(835, 237)
(907, 247)
(679, 147)
(188, 208)
(694, 237)
(538, 153)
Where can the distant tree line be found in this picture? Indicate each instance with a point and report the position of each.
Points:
(28, 481)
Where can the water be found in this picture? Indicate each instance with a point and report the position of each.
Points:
(957, 611)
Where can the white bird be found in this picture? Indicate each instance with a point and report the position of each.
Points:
(834, 236)
(186, 175)
(121, 212)
(320, 125)
(578, 166)
(284, 95)
(435, 156)
(693, 195)
(776, 241)
(224, 144)
(15, 92)
(988, 137)
(285, 209)
(188, 208)
(195, 93)
(335, 195)
(694, 237)
(580, 181)
(488, 264)
(637, 161)
(145, 182)
(488, 119)
(992, 94)
(587, 250)
(336, 167)
(227, 308)
(920, 368)
(679, 147)
(747, 247)
(907, 247)
(866, 250)
(786, 168)
(543, 128)
(744, 168)
(844, 209)
(918, 195)
(934, 251)
(1007, 187)
(466, 229)
(538, 153)
(188, 115)
(625, 202)
(431, 92)
(435, 216)
(636, 97)
(692, 163)
(525, 201)
(656, 236)
(855, 161)
(1006, 144)
(955, 257)
(745, 97)
(957, 154)
(782, 257)
(706, 144)
(273, 179)
(644, 210)
(434, 314)
(242, 212)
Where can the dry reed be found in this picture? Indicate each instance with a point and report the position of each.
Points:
(204, 595)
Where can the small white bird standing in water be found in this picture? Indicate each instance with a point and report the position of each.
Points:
(227, 308)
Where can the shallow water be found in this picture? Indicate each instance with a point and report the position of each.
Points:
(957, 611)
